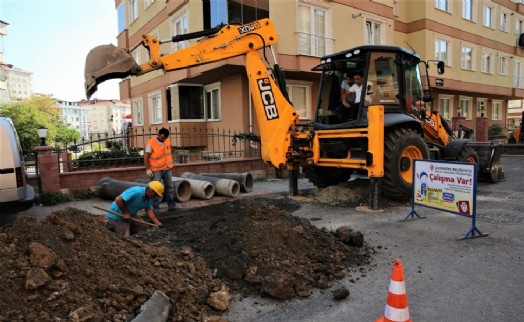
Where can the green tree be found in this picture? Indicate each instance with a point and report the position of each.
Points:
(67, 134)
(28, 115)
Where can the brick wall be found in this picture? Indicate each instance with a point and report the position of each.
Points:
(81, 181)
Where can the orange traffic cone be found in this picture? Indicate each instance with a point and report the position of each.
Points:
(397, 303)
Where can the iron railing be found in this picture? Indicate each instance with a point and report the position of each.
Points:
(189, 145)
(314, 45)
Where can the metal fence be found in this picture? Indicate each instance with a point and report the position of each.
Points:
(189, 145)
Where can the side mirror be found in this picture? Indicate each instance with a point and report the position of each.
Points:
(440, 67)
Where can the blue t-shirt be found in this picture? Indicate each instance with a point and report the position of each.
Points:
(135, 199)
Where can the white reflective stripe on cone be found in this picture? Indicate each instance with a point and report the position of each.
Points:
(398, 288)
(397, 315)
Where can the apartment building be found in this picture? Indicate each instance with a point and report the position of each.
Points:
(478, 39)
(15, 84)
(75, 115)
(106, 116)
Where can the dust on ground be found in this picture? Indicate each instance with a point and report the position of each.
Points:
(69, 267)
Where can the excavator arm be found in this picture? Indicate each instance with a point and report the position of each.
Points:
(275, 115)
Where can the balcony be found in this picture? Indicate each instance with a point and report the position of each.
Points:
(314, 45)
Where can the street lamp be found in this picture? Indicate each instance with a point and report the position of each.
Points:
(42, 134)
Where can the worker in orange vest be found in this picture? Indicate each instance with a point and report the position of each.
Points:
(158, 161)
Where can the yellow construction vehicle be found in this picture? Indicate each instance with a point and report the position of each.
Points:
(379, 136)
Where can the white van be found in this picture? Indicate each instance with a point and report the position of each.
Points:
(15, 194)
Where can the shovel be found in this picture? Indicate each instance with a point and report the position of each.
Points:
(132, 219)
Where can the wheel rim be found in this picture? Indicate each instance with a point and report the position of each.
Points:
(411, 152)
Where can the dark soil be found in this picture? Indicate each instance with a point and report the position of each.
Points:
(69, 267)
(257, 247)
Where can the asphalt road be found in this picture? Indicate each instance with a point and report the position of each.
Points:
(447, 279)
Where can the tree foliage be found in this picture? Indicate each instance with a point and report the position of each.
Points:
(67, 135)
(28, 115)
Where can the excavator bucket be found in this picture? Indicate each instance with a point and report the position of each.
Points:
(490, 165)
(107, 62)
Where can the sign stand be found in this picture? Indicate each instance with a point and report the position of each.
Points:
(446, 186)
(412, 213)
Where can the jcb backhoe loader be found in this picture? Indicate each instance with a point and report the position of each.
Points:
(379, 137)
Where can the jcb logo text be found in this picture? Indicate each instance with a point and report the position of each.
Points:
(268, 99)
(247, 28)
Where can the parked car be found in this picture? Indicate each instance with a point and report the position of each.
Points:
(15, 194)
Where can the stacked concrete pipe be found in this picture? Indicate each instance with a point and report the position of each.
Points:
(181, 187)
(109, 188)
(199, 189)
(244, 179)
(223, 187)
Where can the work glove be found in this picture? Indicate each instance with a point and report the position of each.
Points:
(149, 173)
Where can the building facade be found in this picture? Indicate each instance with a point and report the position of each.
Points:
(15, 84)
(75, 115)
(105, 116)
(480, 41)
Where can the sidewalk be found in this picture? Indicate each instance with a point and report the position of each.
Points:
(260, 189)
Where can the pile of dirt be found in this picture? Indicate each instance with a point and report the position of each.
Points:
(258, 247)
(69, 267)
(350, 194)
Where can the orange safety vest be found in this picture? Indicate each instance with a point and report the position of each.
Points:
(161, 157)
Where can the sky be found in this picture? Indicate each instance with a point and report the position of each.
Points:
(51, 39)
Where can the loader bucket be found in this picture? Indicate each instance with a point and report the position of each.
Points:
(107, 62)
(489, 164)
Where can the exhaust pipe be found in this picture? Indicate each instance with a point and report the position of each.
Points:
(107, 62)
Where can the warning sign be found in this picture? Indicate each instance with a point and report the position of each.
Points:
(449, 186)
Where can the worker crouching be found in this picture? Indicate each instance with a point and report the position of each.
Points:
(128, 204)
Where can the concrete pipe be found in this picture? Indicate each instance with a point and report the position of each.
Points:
(223, 187)
(181, 187)
(244, 179)
(109, 188)
(200, 189)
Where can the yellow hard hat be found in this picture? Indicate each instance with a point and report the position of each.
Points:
(157, 187)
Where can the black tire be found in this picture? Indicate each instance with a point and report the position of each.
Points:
(324, 177)
(467, 154)
(401, 146)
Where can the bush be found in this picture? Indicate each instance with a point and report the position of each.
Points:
(53, 198)
(108, 158)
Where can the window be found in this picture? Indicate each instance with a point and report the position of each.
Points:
(487, 62)
(312, 31)
(488, 16)
(180, 27)
(212, 93)
(155, 108)
(138, 112)
(373, 33)
(147, 3)
(518, 81)
(468, 57)
(396, 8)
(504, 21)
(136, 55)
(467, 9)
(496, 110)
(442, 5)
(481, 107)
(444, 107)
(503, 65)
(300, 94)
(441, 50)
(185, 102)
(121, 17)
(133, 11)
(465, 107)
